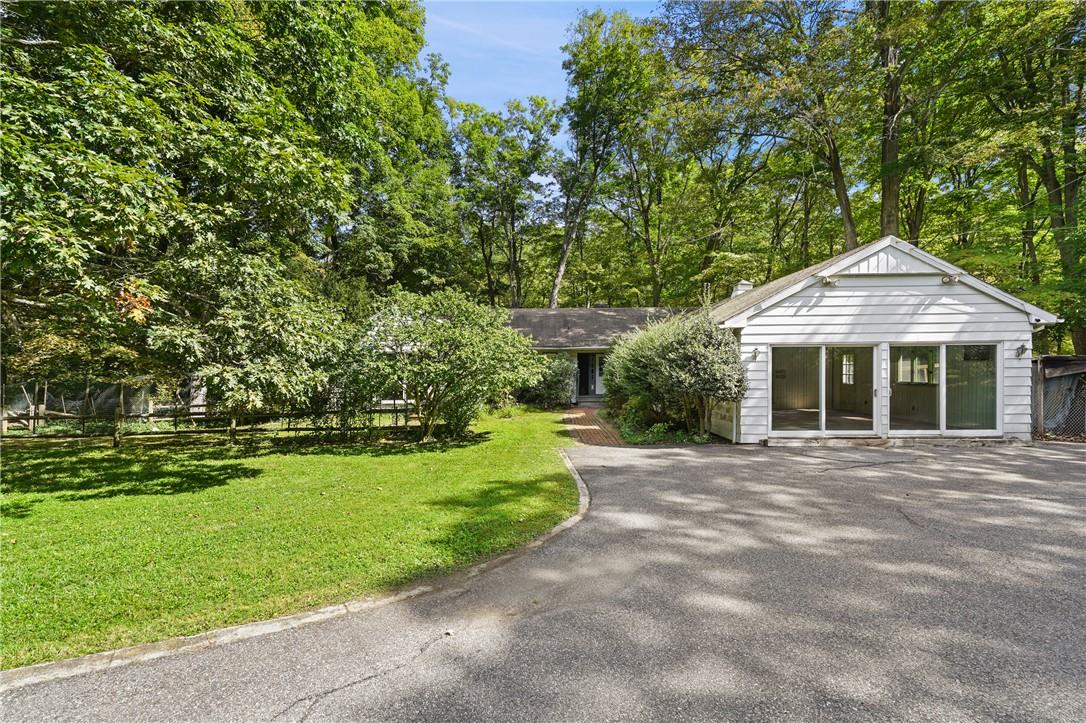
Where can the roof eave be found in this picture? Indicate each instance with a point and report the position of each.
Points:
(1038, 315)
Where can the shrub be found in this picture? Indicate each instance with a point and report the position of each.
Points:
(451, 355)
(552, 390)
(661, 433)
(363, 376)
(674, 371)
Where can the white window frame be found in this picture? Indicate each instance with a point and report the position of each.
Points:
(876, 401)
(848, 369)
(881, 391)
(942, 431)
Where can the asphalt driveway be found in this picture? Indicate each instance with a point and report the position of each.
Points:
(704, 583)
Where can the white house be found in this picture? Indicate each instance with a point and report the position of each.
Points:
(884, 341)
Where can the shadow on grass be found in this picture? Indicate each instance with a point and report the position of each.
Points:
(565, 430)
(75, 474)
(89, 469)
(498, 518)
(396, 444)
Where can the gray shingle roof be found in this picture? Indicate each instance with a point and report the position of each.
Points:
(728, 308)
(579, 328)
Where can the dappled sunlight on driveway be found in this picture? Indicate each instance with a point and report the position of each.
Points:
(708, 583)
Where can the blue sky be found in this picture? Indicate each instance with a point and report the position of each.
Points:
(502, 50)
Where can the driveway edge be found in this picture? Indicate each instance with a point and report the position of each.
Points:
(44, 672)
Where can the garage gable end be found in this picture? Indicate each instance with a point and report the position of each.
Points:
(888, 257)
(890, 260)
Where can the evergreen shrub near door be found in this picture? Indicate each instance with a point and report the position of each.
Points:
(674, 372)
(552, 391)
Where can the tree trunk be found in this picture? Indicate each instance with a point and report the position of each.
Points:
(890, 175)
(487, 252)
(840, 189)
(572, 217)
(233, 429)
(1061, 204)
(804, 235)
(915, 218)
(563, 258)
(1026, 199)
(645, 212)
(515, 294)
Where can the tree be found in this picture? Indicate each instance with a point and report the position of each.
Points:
(604, 69)
(687, 363)
(502, 160)
(264, 342)
(146, 135)
(450, 355)
(1033, 76)
(790, 57)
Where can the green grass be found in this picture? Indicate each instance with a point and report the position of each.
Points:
(105, 548)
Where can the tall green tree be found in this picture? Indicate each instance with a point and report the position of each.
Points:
(139, 139)
(604, 70)
(503, 163)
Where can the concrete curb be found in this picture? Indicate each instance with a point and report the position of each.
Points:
(43, 672)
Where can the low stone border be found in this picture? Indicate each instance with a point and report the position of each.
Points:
(42, 672)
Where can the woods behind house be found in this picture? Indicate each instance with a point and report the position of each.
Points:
(228, 189)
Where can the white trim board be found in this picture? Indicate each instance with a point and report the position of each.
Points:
(1038, 316)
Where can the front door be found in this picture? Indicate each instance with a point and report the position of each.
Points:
(586, 374)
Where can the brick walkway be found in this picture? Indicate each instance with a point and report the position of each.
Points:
(585, 425)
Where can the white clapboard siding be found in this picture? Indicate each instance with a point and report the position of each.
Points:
(1017, 387)
(753, 419)
(889, 260)
(906, 305)
(930, 311)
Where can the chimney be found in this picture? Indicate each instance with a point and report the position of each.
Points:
(742, 287)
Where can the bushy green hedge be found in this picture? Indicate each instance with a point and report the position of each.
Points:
(445, 355)
(675, 372)
(553, 390)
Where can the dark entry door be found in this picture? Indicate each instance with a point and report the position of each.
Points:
(586, 374)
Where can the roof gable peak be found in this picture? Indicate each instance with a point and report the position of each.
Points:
(904, 259)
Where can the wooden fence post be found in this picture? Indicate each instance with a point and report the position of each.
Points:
(118, 418)
(1039, 396)
(32, 420)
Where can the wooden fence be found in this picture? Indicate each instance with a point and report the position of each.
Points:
(391, 414)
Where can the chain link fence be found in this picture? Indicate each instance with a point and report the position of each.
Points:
(1059, 398)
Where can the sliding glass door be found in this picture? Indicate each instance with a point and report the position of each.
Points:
(820, 389)
(971, 388)
(850, 379)
(795, 388)
(948, 389)
(938, 388)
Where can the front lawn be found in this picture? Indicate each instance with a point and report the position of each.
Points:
(106, 548)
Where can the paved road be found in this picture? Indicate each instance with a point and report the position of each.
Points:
(712, 583)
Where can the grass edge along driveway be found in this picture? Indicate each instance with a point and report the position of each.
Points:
(105, 548)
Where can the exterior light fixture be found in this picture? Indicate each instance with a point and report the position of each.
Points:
(827, 281)
(1021, 350)
(754, 355)
(951, 279)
